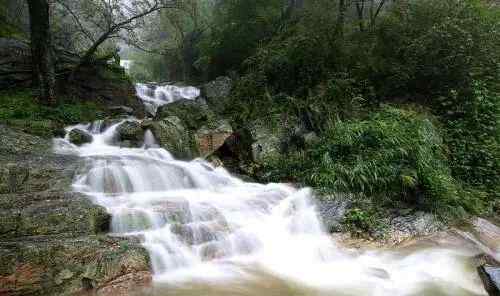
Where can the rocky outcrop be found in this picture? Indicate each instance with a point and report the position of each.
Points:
(189, 128)
(103, 84)
(53, 241)
(193, 113)
(210, 139)
(131, 133)
(106, 86)
(332, 210)
(171, 134)
(412, 225)
(65, 265)
(15, 63)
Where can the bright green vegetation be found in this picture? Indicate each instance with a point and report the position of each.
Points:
(395, 158)
(20, 109)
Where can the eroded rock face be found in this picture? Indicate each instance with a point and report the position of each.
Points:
(52, 241)
(210, 139)
(60, 265)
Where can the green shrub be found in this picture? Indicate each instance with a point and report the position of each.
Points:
(395, 157)
(472, 119)
(20, 105)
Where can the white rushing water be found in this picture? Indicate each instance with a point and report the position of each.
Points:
(154, 96)
(202, 225)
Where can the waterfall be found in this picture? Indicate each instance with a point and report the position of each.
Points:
(154, 96)
(201, 224)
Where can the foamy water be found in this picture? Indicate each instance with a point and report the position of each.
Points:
(209, 233)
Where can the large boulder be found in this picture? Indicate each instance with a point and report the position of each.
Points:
(79, 137)
(50, 213)
(210, 139)
(171, 134)
(274, 135)
(131, 133)
(193, 113)
(217, 93)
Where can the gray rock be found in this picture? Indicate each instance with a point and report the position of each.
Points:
(132, 132)
(266, 141)
(79, 137)
(58, 265)
(193, 113)
(332, 210)
(413, 225)
(171, 134)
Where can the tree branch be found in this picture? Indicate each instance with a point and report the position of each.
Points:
(77, 20)
(117, 27)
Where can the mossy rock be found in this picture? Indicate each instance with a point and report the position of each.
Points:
(172, 135)
(193, 113)
(57, 265)
(79, 137)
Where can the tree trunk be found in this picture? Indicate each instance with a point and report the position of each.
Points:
(341, 17)
(41, 51)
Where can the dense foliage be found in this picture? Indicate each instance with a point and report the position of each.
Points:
(395, 157)
(19, 109)
(439, 58)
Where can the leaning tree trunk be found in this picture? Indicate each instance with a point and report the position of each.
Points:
(41, 51)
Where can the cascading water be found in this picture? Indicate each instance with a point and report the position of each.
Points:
(154, 96)
(209, 233)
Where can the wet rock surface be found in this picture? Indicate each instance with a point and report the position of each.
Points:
(79, 137)
(52, 241)
(331, 210)
(172, 134)
(131, 132)
(413, 225)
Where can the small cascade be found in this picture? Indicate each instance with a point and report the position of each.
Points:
(154, 96)
(149, 140)
(200, 224)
